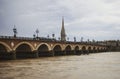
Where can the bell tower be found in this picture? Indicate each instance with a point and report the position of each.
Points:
(63, 35)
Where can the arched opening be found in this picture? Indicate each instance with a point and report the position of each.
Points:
(77, 50)
(89, 50)
(104, 50)
(101, 50)
(68, 50)
(94, 50)
(43, 50)
(58, 50)
(98, 50)
(84, 50)
(24, 51)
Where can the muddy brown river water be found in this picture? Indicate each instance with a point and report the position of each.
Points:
(93, 66)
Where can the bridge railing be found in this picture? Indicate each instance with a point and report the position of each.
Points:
(51, 40)
(25, 38)
(11, 37)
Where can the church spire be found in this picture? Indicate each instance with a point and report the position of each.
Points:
(63, 35)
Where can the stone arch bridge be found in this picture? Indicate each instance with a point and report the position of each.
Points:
(22, 47)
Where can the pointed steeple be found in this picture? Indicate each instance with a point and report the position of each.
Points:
(63, 35)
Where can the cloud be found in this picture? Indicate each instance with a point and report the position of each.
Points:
(93, 19)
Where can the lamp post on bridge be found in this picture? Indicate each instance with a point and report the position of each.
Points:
(53, 35)
(48, 36)
(88, 40)
(34, 36)
(37, 31)
(59, 38)
(67, 38)
(74, 39)
(93, 41)
(81, 39)
(15, 31)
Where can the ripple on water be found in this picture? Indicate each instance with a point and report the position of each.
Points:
(93, 66)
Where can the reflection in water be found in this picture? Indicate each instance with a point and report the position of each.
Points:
(93, 66)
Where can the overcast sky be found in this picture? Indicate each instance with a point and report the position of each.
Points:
(90, 19)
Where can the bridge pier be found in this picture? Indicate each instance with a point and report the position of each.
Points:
(90, 51)
(105, 50)
(64, 52)
(98, 51)
(79, 52)
(70, 52)
(13, 56)
(20, 55)
(73, 52)
(85, 52)
(94, 51)
(7, 55)
(52, 53)
(45, 53)
(76, 52)
(59, 53)
(35, 54)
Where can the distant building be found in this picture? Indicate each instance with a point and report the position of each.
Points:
(113, 45)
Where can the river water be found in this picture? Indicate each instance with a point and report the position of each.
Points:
(93, 66)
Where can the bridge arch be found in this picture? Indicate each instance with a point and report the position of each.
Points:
(24, 50)
(89, 49)
(84, 50)
(24, 43)
(77, 50)
(76, 47)
(94, 49)
(4, 47)
(58, 50)
(102, 49)
(58, 45)
(98, 49)
(68, 50)
(68, 47)
(44, 49)
(49, 47)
